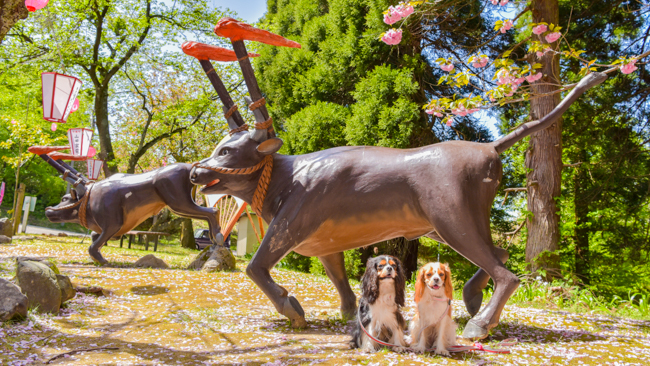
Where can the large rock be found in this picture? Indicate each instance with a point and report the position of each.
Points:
(5, 239)
(200, 259)
(151, 261)
(65, 285)
(42, 260)
(39, 283)
(12, 302)
(6, 227)
(220, 260)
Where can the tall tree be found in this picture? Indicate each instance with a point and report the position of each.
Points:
(100, 37)
(11, 11)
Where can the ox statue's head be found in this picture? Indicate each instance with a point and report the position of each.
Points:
(235, 165)
(66, 211)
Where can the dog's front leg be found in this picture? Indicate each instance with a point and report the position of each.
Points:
(398, 338)
(442, 340)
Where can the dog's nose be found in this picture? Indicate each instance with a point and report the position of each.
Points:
(389, 269)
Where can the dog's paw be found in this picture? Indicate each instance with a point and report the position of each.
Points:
(399, 349)
(442, 352)
(418, 349)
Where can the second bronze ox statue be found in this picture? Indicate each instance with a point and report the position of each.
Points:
(323, 203)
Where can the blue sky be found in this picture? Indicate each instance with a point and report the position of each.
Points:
(250, 10)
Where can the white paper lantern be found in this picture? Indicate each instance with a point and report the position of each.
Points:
(80, 139)
(59, 94)
(94, 167)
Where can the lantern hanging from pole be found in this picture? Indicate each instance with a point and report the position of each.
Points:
(59, 94)
(94, 168)
(80, 139)
(33, 5)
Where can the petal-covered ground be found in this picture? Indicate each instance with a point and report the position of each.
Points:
(179, 317)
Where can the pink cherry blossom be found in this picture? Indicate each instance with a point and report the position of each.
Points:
(519, 80)
(506, 26)
(53, 127)
(503, 2)
(540, 29)
(14, 122)
(447, 67)
(449, 121)
(480, 62)
(404, 10)
(392, 37)
(494, 2)
(539, 54)
(435, 111)
(391, 17)
(552, 37)
(629, 67)
(534, 77)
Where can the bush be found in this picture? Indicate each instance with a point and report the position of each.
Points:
(353, 267)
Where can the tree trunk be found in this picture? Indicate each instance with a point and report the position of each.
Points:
(104, 130)
(11, 11)
(406, 251)
(581, 211)
(187, 234)
(544, 159)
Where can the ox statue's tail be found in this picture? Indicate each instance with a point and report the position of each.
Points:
(528, 128)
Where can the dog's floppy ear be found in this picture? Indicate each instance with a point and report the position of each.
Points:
(449, 287)
(400, 283)
(419, 285)
(369, 282)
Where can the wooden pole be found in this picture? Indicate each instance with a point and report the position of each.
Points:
(221, 90)
(18, 207)
(249, 75)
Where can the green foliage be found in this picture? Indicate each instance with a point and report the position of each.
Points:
(353, 267)
(343, 87)
(316, 127)
(384, 112)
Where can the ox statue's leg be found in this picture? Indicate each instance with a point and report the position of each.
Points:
(274, 247)
(335, 268)
(473, 289)
(98, 242)
(466, 237)
(175, 187)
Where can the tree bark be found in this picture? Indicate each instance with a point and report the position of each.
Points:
(581, 211)
(11, 11)
(187, 234)
(544, 159)
(104, 130)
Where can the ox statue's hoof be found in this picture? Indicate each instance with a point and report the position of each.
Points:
(474, 332)
(294, 312)
(472, 301)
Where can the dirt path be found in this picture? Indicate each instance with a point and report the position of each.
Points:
(178, 317)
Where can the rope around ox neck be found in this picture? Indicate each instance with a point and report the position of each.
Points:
(262, 183)
(82, 209)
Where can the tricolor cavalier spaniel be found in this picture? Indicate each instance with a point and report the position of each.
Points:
(432, 324)
(382, 295)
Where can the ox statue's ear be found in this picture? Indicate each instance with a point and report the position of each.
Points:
(270, 146)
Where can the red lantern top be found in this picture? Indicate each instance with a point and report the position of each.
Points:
(33, 5)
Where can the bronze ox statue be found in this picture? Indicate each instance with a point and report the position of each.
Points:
(323, 203)
(116, 205)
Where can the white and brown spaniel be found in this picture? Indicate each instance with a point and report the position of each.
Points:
(382, 296)
(432, 324)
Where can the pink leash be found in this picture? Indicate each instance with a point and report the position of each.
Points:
(476, 347)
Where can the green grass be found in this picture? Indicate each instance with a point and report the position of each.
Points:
(560, 296)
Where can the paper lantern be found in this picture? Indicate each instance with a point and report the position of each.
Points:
(33, 5)
(75, 106)
(80, 139)
(59, 94)
(94, 167)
